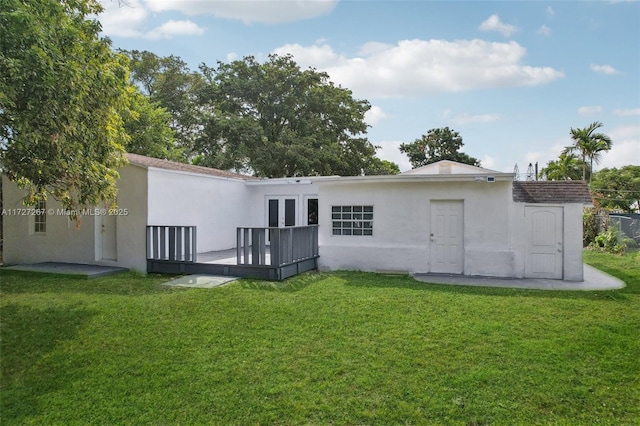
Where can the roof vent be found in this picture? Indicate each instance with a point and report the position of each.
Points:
(491, 178)
(444, 168)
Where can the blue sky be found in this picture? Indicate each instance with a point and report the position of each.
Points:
(511, 77)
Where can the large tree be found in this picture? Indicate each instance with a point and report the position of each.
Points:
(436, 145)
(567, 167)
(618, 189)
(61, 87)
(147, 125)
(275, 119)
(590, 145)
(169, 83)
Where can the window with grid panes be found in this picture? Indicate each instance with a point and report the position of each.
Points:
(352, 220)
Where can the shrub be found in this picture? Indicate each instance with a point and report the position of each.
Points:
(590, 224)
(610, 240)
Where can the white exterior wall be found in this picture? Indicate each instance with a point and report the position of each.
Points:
(260, 193)
(215, 205)
(401, 229)
(573, 229)
(131, 228)
(62, 241)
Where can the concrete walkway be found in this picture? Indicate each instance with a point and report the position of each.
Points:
(594, 279)
(89, 271)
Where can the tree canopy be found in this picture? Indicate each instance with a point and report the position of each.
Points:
(61, 88)
(275, 119)
(147, 125)
(170, 84)
(617, 189)
(436, 145)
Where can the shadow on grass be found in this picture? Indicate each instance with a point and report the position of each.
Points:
(129, 284)
(293, 284)
(30, 365)
(376, 280)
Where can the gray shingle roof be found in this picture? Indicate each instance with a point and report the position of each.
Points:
(554, 192)
(141, 160)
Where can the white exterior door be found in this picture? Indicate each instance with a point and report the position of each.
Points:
(281, 211)
(107, 233)
(543, 255)
(447, 244)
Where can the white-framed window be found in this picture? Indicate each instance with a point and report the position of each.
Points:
(40, 218)
(352, 220)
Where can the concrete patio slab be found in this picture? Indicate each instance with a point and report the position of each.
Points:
(200, 281)
(594, 279)
(89, 271)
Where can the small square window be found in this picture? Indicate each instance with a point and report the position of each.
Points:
(356, 220)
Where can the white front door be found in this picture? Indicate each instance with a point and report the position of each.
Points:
(281, 211)
(447, 244)
(543, 255)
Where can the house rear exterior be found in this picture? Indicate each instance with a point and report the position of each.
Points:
(446, 218)
(452, 218)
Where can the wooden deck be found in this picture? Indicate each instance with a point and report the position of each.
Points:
(264, 253)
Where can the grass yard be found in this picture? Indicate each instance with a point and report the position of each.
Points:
(339, 348)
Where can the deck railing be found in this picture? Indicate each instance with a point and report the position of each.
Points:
(276, 246)
(172, 243)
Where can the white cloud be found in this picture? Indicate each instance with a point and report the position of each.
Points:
(478, 118)
(544, 30)
(390, 151)
(174, 28)
(589, 110)
(627, 111)
(122, 20)
(488, 162)
(550, 11)
(625, 148)
(421, 67)
(493, 23)
(375, 115)
(249, 11)
(128, 20)
(622, 154)
(604, 69)
(543, 157)
(373, 47)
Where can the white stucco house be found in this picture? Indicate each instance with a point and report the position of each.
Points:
(442, 218)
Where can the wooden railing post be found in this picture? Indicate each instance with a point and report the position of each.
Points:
(274, 236)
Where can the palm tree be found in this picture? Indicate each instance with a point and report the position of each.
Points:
(567, 167)
(590, 145)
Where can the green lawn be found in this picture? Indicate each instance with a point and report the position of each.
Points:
(340, 348)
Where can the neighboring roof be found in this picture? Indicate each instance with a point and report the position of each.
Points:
(553, 192)
(444, 170)
(157, 163)
(448, 167)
